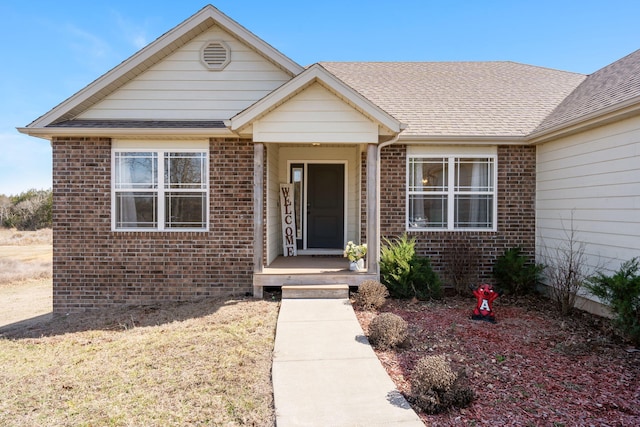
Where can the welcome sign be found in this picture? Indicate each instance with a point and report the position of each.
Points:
(288, 217)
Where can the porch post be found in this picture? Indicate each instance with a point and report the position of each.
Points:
(258, 218)
(373, 239)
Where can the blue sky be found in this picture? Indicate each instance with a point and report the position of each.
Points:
(52, 49)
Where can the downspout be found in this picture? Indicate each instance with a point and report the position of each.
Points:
(378, 185)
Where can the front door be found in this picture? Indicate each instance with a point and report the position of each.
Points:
(325, 206)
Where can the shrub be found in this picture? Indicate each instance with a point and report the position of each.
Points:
(566, 269)
(405, 274)
(436, 388)
(388, 330)
(462, 260)
(515, 274)
(432, 372)
(621, 292)
(371, 295)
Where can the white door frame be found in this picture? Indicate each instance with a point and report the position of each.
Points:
(315, 251)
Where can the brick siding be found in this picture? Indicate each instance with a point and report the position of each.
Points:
(516, 213)
(94, 267)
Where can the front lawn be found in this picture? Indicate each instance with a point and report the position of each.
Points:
(205, 363)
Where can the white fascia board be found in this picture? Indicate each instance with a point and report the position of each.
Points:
(156, 47)
(315, 73)
(601, 117)
(257, 43)
(50, 132)
(463, 139)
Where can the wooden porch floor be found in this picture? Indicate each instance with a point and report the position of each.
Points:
(308, 264)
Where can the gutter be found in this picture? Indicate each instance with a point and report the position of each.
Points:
(49, 133)
(597, 118)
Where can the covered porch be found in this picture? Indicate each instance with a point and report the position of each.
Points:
(317, 261)
(323, 139)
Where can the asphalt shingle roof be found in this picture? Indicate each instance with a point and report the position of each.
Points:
(614, 84)
(460, 98)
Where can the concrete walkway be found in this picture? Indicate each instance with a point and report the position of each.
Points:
(326, 374)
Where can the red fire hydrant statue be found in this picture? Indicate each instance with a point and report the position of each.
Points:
(484, 310)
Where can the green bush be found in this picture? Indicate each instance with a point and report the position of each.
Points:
(515, 274)
(405, 274)
(621, 292)
(388, 330)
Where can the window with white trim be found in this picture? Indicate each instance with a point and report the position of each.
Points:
(455, 192)
(160, 189)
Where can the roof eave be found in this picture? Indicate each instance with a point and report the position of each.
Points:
(464, 139)
(601, 117)
(49, 132)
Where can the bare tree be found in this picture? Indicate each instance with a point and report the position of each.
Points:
(567, 269)
(462, 260)
(29, 210)
(5, 206)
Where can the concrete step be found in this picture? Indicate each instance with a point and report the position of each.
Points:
(333, 291)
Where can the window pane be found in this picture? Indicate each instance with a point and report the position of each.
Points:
(136, 170)
(298, 174)
(185, 210)
(427, 211)
(474, 211)
(474, 174)
(428, 174)
(184, 170)
(136, 210)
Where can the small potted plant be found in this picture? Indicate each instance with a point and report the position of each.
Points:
(356, 254)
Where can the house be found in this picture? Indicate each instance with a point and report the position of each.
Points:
(167, 170)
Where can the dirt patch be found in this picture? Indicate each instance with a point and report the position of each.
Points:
(532, 367)
(25, 275)
(25, 300)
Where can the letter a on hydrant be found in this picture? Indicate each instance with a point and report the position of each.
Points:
(485, 295)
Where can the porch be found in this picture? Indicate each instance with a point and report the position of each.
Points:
(308, 270)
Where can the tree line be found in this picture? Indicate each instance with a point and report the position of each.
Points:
(30, 210)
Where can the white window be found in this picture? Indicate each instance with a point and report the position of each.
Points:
(160, 189)
(453, 192)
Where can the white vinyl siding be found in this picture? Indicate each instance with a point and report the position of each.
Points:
(315, 115)
(593, 176)
(182, 88)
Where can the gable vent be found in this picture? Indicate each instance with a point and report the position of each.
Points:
(215, 55)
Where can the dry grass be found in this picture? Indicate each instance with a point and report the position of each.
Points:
(24, 255)
(13, 237)
(12, 270)
(205, 363)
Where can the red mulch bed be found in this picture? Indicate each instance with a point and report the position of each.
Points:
(533, 367)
